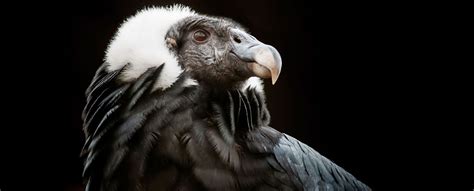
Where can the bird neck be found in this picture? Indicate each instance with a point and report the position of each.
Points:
(221, 88)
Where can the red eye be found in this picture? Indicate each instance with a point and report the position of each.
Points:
(200, 36)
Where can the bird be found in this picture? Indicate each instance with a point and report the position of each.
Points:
(178, 104)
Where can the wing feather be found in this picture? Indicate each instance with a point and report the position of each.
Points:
(309, 170)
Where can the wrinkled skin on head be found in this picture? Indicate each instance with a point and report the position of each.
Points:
(219, 52)
(203, 46)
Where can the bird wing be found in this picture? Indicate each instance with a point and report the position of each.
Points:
(309, 170)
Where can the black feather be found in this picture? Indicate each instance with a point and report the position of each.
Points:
(193, 137)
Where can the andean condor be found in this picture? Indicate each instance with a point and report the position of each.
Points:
(178, 104)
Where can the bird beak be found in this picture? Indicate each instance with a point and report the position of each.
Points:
(263, 60)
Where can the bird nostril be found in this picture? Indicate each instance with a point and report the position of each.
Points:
(236, 39)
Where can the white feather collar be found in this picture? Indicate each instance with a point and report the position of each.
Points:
(140, 41)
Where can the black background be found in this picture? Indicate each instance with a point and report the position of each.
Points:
(348, 88)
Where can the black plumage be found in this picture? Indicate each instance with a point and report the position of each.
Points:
(194, 138)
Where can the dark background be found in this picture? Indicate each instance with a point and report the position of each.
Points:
(347, 89)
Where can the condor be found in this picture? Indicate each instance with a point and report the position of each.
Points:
(178, 104)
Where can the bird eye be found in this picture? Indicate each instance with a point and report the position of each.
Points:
(200, 36)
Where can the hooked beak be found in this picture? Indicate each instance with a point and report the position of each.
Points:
(263, 60)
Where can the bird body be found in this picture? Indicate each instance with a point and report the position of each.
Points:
(195, 118)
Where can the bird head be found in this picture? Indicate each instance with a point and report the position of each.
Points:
(212, 50)
(219, 51)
